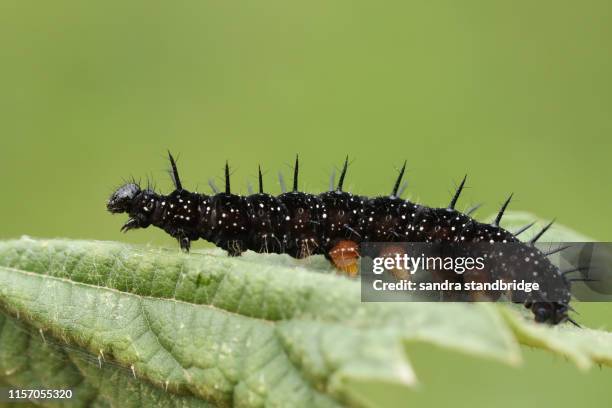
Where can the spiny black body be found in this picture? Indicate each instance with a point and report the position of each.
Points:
(302, 224)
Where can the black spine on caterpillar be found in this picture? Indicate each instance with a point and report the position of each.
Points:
(302, 224)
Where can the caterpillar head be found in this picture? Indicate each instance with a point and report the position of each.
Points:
(123, 199)
(550, 312)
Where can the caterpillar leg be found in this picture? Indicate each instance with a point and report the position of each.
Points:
(391, 250)
(482, 276)
(131, 223)
(235, 248)
(184, 242)
(345, 257)
(134, 222)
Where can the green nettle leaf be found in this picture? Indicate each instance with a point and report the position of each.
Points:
(137, 326)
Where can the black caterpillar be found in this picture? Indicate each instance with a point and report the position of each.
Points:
(332, 223)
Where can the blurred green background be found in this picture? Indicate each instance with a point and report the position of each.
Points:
(516, 94)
